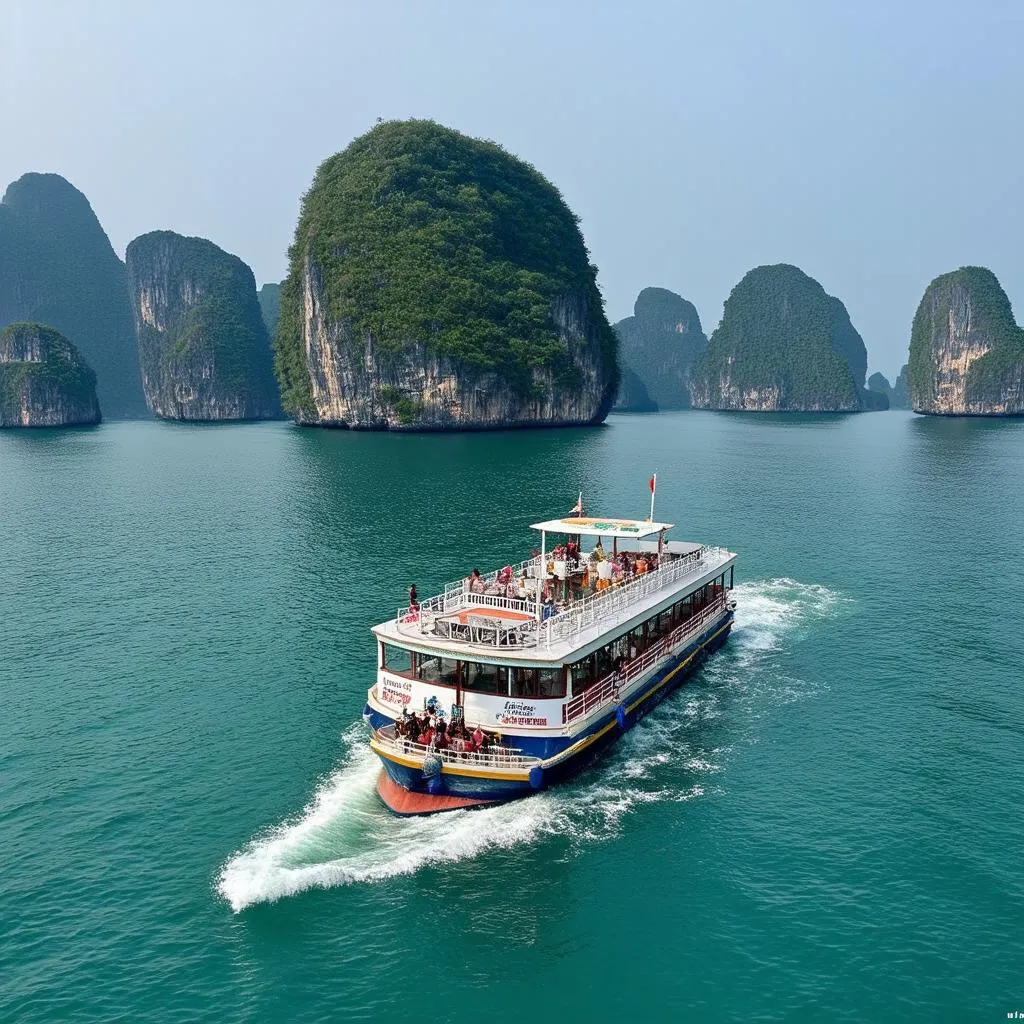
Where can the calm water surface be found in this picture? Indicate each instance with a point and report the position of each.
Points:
(823, 824)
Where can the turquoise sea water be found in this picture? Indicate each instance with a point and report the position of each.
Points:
(825, 823)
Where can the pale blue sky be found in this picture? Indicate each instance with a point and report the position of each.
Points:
(873, 144)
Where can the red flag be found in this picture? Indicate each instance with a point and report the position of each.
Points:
(652, 482)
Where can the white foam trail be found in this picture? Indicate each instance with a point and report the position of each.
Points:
(345, 836)
(767, 610)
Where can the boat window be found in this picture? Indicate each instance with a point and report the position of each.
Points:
(397, 660)
(484, 678)
(432, 669)
(636, 642)
(524, 682)
(582, 675)
(551, 682)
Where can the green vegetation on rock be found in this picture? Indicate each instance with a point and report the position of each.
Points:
(57, 267)
(965, 319)
(878, 395)
(899, 397)
(880, 383)
(417, 237)
(44, 381)
(660, 343)
(783, 344)
(203, 346)
(270, 306)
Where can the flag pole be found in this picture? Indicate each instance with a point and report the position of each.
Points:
(654, 486)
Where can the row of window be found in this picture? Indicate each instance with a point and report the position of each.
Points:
(596, 666)
(477, 677)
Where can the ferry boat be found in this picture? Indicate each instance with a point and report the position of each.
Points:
(510, 682)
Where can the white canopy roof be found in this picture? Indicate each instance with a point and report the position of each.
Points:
(595, 526)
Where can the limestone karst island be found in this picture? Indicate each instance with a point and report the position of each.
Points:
(44, 381)
(203, 345)
(966, 350)
(438, 282)
(784, 345)
(58, 268)
(658, 346)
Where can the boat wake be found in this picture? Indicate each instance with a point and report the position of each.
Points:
(344, 835)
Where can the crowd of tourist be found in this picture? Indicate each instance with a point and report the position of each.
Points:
(565, 563)
(430, 730)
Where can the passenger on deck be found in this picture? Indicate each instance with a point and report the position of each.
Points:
(457, 736)
(598, 553)
(478, 738)
(440, 740)
(476, 583)
(414, 603)
(427, 735)
(572, 554)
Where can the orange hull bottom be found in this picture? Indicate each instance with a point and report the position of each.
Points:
(401, 801)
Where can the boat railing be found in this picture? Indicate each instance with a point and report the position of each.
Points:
(608, 689)
(495, 757)
(436, 619)
(528, 567)
(427, 619)
(610, 603)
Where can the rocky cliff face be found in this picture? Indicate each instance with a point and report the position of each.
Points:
(437, 282)
(661, 342)
(203, 347)
(783, 345)
(966, 350)
(44, 381)
(632, 396)
(362, 385)
(57, 267)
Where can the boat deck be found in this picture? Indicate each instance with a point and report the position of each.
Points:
(494, 622)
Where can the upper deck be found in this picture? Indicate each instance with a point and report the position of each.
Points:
(591, 598)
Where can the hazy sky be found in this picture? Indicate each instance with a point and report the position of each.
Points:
(873, 144)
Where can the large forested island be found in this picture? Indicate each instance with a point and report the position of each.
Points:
(57, 267)
(784, 345)
(203, 345)
(966, 350)
(44, 381)
(660, 343)
(438, 282)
